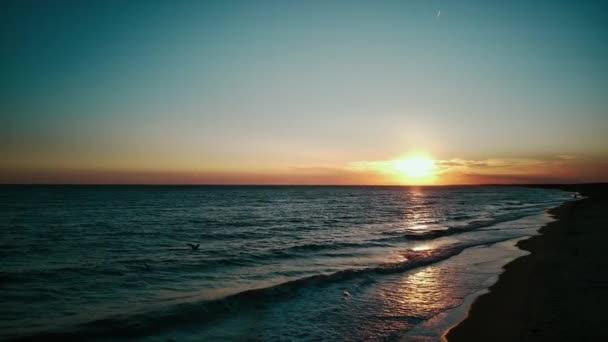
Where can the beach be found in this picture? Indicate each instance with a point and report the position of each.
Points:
(559, 291)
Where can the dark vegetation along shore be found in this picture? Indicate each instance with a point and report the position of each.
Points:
(559, 292)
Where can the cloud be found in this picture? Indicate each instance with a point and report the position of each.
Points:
(553, 169)
(374, 166)
(572, 157)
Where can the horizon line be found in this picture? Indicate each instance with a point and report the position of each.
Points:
(298, 185)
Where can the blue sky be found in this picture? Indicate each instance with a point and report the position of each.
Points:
(269, 86)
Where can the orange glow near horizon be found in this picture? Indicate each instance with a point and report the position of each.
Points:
(411, 169)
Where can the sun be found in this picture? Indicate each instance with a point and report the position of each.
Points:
(415, 167)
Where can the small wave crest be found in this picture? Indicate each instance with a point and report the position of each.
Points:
(314, 247)
(470, 226)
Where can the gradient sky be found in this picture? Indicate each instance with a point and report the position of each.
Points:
(302, 92)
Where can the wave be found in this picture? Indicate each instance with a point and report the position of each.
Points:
(328, 249)
(208, 312)
(121, 267)
(314, 247)
(470, 226)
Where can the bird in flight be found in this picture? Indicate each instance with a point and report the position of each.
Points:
(193, 246)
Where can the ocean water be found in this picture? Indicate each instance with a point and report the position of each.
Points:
(274, 263)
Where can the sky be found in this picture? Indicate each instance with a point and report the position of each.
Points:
(303, 92)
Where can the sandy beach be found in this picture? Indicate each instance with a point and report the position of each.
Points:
(558, 292)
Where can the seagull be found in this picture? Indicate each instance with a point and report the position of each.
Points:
(193, 246)
(438, 14)
(346, 294)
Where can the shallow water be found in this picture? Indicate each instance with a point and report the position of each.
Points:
(296, 263)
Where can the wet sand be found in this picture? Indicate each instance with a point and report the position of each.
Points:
(559, 292)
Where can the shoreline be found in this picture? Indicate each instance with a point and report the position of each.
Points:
(434, 328)
(557, 292)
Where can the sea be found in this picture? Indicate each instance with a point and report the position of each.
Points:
(273, 263)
